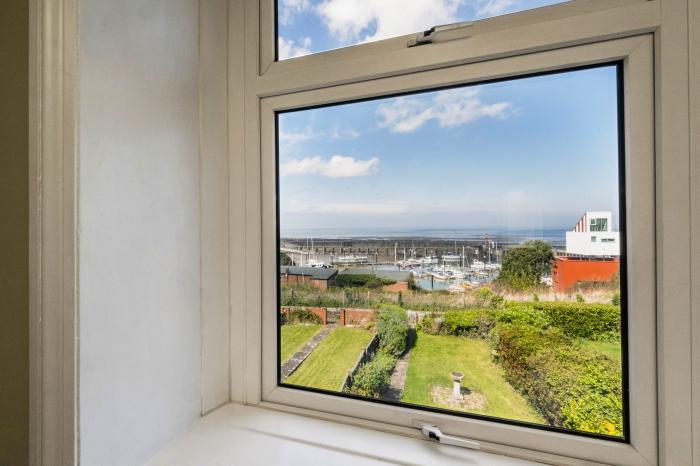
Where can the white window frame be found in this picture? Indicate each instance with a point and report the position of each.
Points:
(636, 53)
(558, 27)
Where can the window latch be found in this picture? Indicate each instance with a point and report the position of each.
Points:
(427, 37)
(434, 433)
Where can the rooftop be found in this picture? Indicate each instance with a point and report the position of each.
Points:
(396, 275)
(317, 273)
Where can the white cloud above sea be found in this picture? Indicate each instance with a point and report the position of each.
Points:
(449, 108)
(337, 166)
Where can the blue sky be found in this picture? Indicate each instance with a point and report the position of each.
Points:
(307, 26)
(532, 153)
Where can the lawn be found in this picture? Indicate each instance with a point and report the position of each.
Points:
(294, 337)
(434, 357)
(327, 366)
(611, 349)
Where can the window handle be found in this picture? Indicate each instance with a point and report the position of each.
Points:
(426, 37)
(434, 433)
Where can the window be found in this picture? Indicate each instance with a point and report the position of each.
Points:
(375, 161)
(599, 224)
(310, 26)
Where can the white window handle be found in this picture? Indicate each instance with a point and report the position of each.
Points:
(432, 432)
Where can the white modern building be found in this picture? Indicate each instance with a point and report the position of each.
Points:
(593, 236)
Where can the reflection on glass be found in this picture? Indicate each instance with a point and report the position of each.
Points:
(448, 250)
(309, 26)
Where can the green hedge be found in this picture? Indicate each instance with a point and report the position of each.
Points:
(570, 386)
(471, 323)
(300, 316)
(584, 320)
(347, 280)
(392, 329)
(372, 376)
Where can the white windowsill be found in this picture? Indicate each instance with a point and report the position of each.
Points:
(235, 434)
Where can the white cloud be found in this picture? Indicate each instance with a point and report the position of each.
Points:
(354, 208)
(287, 48)
(336, 132)
(294, 137)
(487, 8)
(289, 9)
(350, 20)
(337, 166)
(449, 108)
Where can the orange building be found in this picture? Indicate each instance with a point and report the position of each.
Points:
(569, 270)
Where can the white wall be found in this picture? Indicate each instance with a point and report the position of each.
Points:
(139, 227)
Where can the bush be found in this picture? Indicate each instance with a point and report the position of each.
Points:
(472, 323)
(570, 386)
(373, 375)
(300, 316)
(431, 324)
(579, 298)
(392, 329)
(616, 298)
(347, 280)
(585, 320)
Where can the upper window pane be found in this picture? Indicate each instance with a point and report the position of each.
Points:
(310, 26)
(447, 250)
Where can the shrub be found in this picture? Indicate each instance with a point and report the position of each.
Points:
(616, 298)
(472, 323)
(392, 329)
(483, 296)
(373, 375)
(524, 265)
(347, 280)
(523, 316)
(571, 387)
(300, 316)
(431, 324)
(586, 320)
(579, 298)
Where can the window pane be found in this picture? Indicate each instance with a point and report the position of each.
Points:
(446, 250)
(309, 26)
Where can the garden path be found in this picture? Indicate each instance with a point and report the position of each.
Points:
(295, 361)
(393, 390)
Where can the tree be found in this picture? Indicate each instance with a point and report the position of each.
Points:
(524, 265)
(285, 259)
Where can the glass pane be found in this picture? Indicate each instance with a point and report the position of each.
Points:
(310, 26)
(447, 250)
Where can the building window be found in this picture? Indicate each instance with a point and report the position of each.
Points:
(599, 224)
(417, 207)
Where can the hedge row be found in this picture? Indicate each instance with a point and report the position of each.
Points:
(347, 280)
(571, 387)
(585, 320)
(372, 376)
(300, 316)
(590, 321)
(392, 329)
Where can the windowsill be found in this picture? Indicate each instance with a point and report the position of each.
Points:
(235, 434)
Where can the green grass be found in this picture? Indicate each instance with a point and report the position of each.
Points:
(327, 366)
(434, 357)
(294, 337)
(611, 349)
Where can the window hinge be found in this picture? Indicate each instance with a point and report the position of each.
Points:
(427, 37)
(432, 432)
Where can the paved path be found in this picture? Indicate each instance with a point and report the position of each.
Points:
(393, 390)
(292, 363)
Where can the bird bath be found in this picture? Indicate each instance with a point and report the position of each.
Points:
(457, 385)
